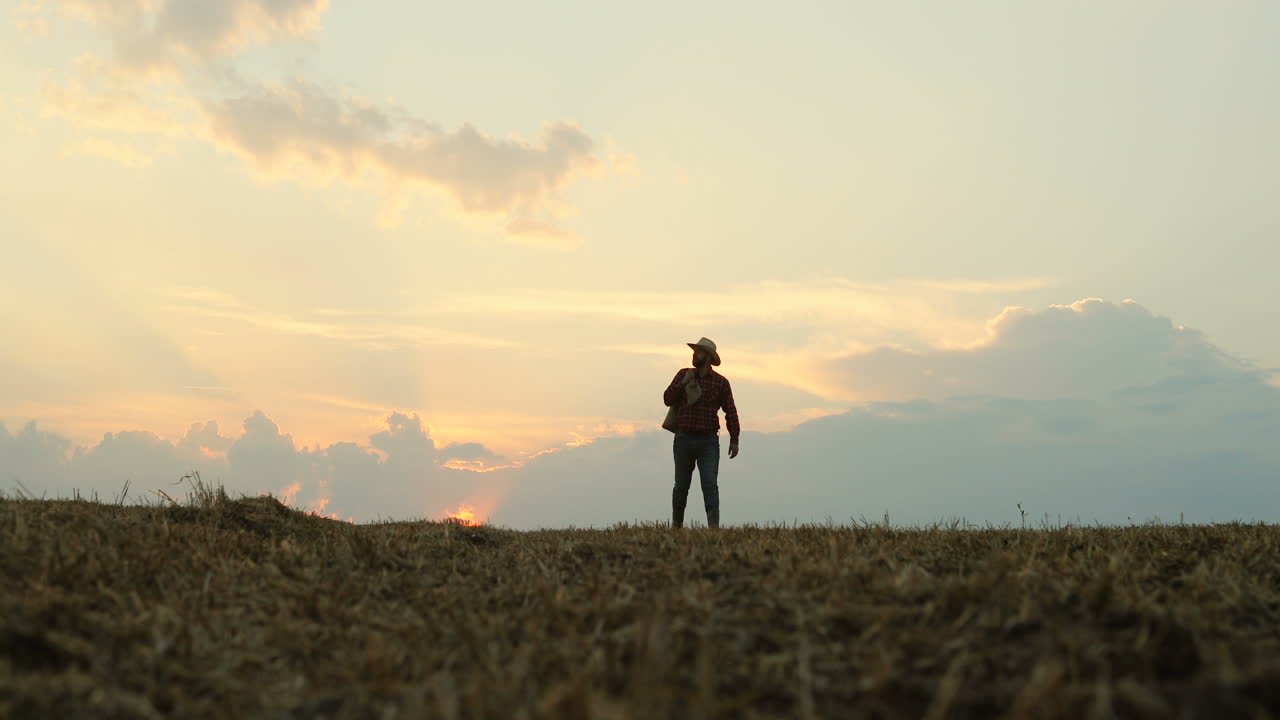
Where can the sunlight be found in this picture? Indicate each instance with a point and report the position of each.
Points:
(465, 515)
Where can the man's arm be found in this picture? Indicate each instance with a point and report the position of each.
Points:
(674, 394)
(730, 414)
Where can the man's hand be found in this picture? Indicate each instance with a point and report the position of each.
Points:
(733, 449)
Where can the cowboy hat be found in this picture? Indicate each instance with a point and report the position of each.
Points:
(709, 347)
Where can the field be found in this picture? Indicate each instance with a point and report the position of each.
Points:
(215, 608)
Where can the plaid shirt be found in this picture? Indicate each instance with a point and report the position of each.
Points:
(702, 416)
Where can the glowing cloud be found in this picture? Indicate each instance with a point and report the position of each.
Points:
(162, 68)
(299, 127)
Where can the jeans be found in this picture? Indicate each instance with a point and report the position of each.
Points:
(704, 452)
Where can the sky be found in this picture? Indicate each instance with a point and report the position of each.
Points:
(398, 260)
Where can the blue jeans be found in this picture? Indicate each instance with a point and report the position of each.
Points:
(704, 452)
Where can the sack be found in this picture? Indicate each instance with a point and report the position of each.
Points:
(670, 422)
(692, 392)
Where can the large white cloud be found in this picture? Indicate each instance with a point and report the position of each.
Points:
(1087, 348)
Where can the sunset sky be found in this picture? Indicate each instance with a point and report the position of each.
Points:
(362, 250)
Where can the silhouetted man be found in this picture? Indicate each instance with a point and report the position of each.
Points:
(699, 393)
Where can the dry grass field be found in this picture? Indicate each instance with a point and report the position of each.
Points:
(218, 608)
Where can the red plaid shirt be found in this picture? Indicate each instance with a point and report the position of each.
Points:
(702, 416)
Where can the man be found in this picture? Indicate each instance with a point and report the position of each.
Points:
(699, 393)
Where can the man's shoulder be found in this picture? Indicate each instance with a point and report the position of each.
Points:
(722, 377)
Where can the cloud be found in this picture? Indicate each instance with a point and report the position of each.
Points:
(298, 126)
(130, 456)
(171, 72)
(265, 457)
(398, 472)
(205, 439)
(1084, 349)
(406, 444)
(150, 36)
(47, 464)
(469, 452)
(33, 456)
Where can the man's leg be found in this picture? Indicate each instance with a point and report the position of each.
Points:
(684, 458)
(708, 472)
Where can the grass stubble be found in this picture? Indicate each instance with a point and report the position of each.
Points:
(246, 608)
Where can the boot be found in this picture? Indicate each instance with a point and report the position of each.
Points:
(677, 517)
(713, 518)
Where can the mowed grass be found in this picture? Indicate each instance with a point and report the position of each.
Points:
(245, 608)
